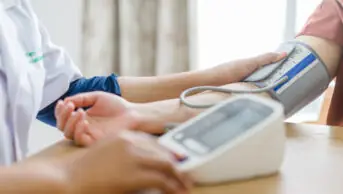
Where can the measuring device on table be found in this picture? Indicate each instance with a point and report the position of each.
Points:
(240, 138)
(244, 137)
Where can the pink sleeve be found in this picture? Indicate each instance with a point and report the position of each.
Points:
(326, 22)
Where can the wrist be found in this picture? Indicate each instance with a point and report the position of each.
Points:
(146, 119)
(154, 117)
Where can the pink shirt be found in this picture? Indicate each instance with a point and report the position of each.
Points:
(327, 22)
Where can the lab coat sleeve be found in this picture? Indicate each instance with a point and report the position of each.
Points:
(63, 79)
(3, 98)
(60, 70)
(6, 149)
(3, 102)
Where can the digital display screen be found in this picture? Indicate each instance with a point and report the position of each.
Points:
(225, 124)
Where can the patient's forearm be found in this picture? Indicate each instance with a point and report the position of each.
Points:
(155, 88)
(149, 89)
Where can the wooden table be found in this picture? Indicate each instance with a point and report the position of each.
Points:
(313, 165)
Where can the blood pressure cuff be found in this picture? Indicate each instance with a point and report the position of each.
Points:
(307, 76)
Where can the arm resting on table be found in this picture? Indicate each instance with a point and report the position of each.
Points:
(38, 179)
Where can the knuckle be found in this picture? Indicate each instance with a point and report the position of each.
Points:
(267, 56)
(166, 165)
(68, 136)
(161, 179)
(270, 54)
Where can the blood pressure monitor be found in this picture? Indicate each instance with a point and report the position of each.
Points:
(294, 81)
(241, 138)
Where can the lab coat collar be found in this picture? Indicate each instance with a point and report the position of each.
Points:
(7, 4)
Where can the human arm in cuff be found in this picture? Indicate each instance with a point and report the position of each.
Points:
(325, 26)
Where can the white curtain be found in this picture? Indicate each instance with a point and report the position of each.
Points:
(135, 37)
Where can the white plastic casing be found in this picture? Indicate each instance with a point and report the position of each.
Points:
(257, 152)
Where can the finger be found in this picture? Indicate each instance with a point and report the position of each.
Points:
(166, 167)
(70, 125)
(58, 107)
(164, 150)
(149, 146)
(155, 180)
(269, 58)
(81, 137)
(86, 138)
(80, 129)
(188, 181)
(146, 144)
(280, 56)
(83, 100)
(58, 111)
(136, 136)
(179, 157)
(66, 110)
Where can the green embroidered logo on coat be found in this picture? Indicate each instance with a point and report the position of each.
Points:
(34, 58)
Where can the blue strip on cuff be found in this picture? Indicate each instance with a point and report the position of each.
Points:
(98, 83)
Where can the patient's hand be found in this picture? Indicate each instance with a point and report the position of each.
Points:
(237, 70)
(107, 114)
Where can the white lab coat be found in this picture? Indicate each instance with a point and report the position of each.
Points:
(26, 86)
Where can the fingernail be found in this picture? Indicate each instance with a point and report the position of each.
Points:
(182, 159)
(81, 112)
(71, 105)
(283, 54)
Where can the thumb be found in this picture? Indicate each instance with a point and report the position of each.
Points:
(252, 64)
(268, 58)
(83, 100)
